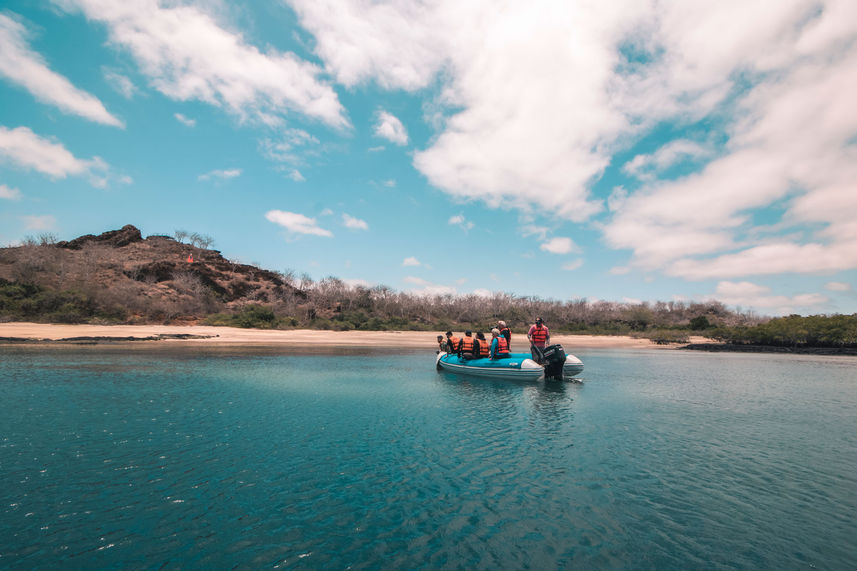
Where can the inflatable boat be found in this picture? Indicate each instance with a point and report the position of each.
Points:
(553, 363)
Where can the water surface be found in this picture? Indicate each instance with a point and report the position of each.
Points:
(210, 458)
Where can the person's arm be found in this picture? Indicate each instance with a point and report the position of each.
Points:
(530, 335)
(547, 336)
(493, 350)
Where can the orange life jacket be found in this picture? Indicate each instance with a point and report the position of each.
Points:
(453, 344)
(507, 334)
(502, 346)
(484, 347)
(539, 335)
(467, 345)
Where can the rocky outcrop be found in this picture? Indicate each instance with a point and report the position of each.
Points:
(128, 234)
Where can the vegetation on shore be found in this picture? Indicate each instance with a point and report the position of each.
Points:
(794, 331)
(120, 277)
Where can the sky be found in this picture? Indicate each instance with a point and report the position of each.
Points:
(624, 151)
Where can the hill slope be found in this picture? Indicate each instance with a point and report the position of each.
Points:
(121, 276)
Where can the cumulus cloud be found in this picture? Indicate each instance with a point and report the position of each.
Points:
(559, 245)
(573, 265)
(23, 66)
(44, 222)
(186, 121)
(357, 282)
(533, 105)
(750, 295)
(354, 223)
(411, 261)
(789, 144)
(27, 150)
(389, 127)
(460, 221)
(647, 166)
(120, 83)
(224, 174)
(290, 149)
(425, 287)
(8, 193)
(297, 223)
(187, 55)
(837, 286)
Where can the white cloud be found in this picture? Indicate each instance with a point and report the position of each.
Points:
(354, 223)
(224, 174)
(389, 127)
(482, 292)
(428, 288)
(26, 149)
(291, 147)
(296, 175)
(297, 223)
(120, 83)
(574, 265)
(28, 69)
(8, 193)
(750, 295)
(377, 149)
(837, 286)
(461, 221)
(559, 245)
(356, 282)
(186, 121)
(646, 166)
(326, 212)
(187, 56)
(533, 105)
(46, 222)
(790, 144)
(411, 261)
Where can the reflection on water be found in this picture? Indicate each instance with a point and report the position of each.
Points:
(216, 458)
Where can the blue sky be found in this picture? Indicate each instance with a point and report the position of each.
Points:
(624, 151)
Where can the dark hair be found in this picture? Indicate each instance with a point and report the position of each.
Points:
(449, 332)
(468, 332)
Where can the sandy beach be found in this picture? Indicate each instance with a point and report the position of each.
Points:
(231, 336)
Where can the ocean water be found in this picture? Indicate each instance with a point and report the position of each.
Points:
(156, 458)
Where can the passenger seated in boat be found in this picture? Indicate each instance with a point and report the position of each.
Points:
(483, 346)
(499, 345)
(505, 332)
(465, 348)
(442, 344)
(452, 342)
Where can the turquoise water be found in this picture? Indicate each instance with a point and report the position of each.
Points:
(660, 459)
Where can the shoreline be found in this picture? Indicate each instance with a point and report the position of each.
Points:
(22, 333)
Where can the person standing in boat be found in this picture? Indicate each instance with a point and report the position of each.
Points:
(465, 348)
(483, 346)
(539, 337)
(499, 345)
(505, 332)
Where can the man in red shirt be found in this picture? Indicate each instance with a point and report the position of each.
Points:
(539, 334)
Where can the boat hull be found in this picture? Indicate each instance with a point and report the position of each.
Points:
(517, 366)
(512, 368)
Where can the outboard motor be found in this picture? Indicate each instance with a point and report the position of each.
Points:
(553, 359)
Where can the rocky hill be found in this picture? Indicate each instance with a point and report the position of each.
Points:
(121, 276)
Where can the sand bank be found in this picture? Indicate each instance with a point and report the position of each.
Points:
(231, 336)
